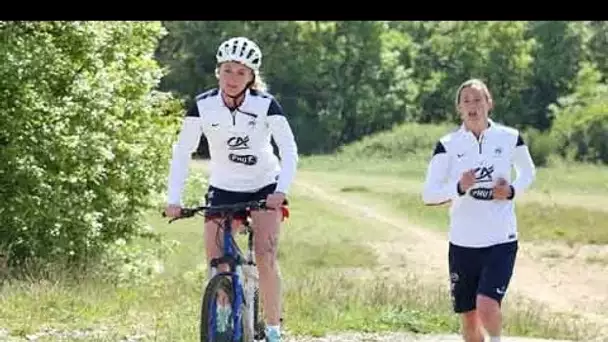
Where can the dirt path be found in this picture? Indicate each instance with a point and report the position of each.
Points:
(568, 286)
(412, 185)
(400, 337)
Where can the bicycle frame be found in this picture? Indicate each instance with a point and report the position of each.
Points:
(232, 257)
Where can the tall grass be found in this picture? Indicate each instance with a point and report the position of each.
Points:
(332, 279)
(332, 282)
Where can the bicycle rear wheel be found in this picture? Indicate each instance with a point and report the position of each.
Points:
(216, 324)
(252, 316)
(259, 323)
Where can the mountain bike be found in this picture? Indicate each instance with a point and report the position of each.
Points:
(239, 285)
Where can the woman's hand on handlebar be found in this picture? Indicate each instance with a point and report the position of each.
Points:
(173, 210)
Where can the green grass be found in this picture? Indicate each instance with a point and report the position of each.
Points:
(560, 178)
(573, 178)
(332, 282)
(389, 169)
(537, 221)
(332, 279)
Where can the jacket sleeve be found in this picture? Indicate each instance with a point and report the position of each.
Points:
(288, 149)
(187, 141)
(438, 189)
(524, 168)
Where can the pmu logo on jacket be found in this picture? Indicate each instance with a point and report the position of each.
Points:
(247, 159)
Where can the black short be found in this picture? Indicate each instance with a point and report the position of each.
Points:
(474, 271)
(217, 196)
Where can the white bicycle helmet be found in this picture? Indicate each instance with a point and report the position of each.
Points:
(242, 50)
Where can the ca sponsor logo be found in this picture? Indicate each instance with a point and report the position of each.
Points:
(483, 174)
(238, 143)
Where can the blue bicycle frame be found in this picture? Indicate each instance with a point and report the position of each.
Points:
(234, 259)
(232, 256)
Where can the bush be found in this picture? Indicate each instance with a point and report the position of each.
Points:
(581, 118)
(583, 133)
(131, 264)
(403, 141)
(542, 145)
(85, 137)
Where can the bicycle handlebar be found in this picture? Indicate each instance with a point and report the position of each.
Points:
(222, 209)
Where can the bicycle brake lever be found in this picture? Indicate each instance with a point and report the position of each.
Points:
(173, 219)
(165, 215)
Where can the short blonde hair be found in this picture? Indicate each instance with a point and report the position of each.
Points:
(477, 83)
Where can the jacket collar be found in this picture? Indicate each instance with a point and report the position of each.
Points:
(491, 125)
(243, 105)
(484, 134)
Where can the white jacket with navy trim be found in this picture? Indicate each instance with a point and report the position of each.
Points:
(477, 220)
(240, 149)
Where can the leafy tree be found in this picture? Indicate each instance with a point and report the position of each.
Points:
(581, 118)
(85, 136)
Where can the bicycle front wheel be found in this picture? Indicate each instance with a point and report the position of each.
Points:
(216, 323)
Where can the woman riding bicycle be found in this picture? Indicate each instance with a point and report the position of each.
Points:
(238, 120)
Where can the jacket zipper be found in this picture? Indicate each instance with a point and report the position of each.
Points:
(480, 142)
